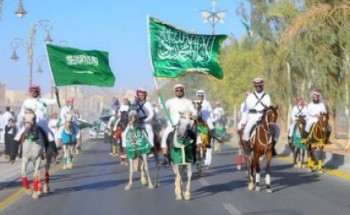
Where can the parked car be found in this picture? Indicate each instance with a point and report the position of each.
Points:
(97, 131)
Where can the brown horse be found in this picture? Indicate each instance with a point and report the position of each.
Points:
(262, 142)
(296, 146)
(316, 140)
(204, 138)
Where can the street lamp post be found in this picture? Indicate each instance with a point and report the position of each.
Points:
(17, 42)
(20, 12)
(213, 17)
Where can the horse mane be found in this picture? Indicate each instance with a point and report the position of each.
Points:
(124, 118)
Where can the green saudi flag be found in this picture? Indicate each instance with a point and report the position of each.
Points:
(175, 52)
(71, 66)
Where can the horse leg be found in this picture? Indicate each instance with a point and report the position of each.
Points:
(177, 182)
(25, 182)
(302, 158)
(65, 156)
(156, 157)
(188, 185)
(131, 173)
(249, 172)
(320, 160)
(257, 171)
(36, 180)
(311, 158)
(298, 154)
(70, 156)
(47, 174)
(267, 176)
(145, 163)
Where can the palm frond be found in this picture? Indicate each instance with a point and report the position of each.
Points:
(318, 12)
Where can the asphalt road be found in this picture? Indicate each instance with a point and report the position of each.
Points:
(96, 183)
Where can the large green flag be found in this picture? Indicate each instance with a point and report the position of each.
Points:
(71, 66)
(175, 52)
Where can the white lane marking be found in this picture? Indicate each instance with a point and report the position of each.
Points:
(232, 209)
(204, 182)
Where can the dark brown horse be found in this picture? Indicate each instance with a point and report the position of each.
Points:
(296, 146)
(262, 143)
(204, 138)
(316, 140)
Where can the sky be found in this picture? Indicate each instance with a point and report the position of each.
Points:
(116, 26)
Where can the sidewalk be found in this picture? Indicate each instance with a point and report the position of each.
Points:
(8, 171)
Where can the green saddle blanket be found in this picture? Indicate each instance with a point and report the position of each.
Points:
(219, 130)
(136, 143)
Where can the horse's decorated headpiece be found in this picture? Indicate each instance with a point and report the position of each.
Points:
(29, 117)
(258, 81)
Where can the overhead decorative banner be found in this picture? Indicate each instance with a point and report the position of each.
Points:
(175, 52)
(71, 66)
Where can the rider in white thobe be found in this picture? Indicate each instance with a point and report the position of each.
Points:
(40, 107)
(314, 109)
(208, 117)
(256, 102)
(298, 110)
(175, 106)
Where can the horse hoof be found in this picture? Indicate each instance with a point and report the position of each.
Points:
(250, 186)
(29, 191)
(127, 187)
(150, 186)
(187, 196)
(35, 195)
(46, 188)
(143, 181)
(239, 167)
(64, 167)
(257, 188)
(268, 190)
(295, 166)
(320, 171)
(178, 197)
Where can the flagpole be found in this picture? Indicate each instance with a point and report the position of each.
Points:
(53, 79)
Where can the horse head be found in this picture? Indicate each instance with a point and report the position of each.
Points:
(182, 130)
(198, 107)
(133, 119)
(323, 121)
(269, 118)
(124, 119)
(29, 119)
(68, 122)
(300, 122)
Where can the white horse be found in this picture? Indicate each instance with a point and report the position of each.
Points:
(68, 136)
(33, 146)
(137, 146)
(182, 154)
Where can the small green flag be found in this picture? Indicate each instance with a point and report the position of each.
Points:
(71, 66)
(175, 52)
